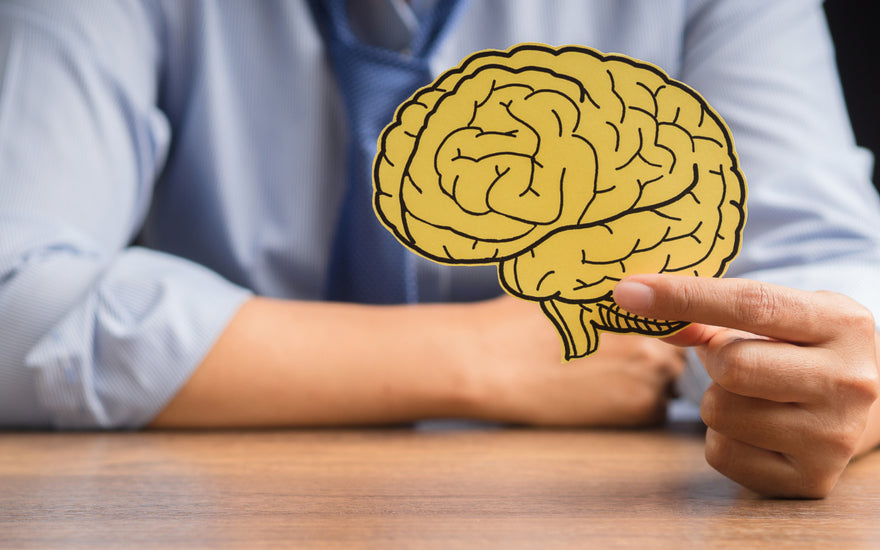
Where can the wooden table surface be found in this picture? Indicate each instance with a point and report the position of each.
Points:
(406, 488)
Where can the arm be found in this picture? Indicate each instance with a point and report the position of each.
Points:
(795, 376)
(94, 332)
(283, 363)
(813, 220)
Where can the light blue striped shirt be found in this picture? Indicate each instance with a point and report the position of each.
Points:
(161, 161)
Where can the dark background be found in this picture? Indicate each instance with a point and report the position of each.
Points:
(856, 36)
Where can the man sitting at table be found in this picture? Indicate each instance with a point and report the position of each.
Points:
(171, 175)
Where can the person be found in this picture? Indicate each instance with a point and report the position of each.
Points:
(171, 174)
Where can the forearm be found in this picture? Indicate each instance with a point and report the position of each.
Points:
(318, 364)
(309, 363)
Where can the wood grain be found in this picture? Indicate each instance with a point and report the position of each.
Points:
(405, 488)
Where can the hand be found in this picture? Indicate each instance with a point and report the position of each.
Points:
(795, 376)
(625, 383)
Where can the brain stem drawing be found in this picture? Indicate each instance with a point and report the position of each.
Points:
(570, 169)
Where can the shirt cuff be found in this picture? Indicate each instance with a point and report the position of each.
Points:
(119, 356)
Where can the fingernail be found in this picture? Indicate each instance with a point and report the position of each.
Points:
(634, 297)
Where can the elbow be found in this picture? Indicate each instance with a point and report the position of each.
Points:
(40, 284)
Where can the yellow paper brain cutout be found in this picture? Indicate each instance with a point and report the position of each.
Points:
(570, 169)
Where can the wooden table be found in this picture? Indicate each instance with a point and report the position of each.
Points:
(406, 488)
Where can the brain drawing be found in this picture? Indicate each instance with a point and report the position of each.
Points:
(570, 169)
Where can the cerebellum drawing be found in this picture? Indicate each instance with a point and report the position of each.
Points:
(569, 169)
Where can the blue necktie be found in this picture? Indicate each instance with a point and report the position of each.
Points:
(367, 263)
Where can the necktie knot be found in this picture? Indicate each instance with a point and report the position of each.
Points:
(373, 83)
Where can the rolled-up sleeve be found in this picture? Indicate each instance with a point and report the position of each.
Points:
(94, 331)
(813, 214)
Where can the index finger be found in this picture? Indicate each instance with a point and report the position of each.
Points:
(756, 307)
